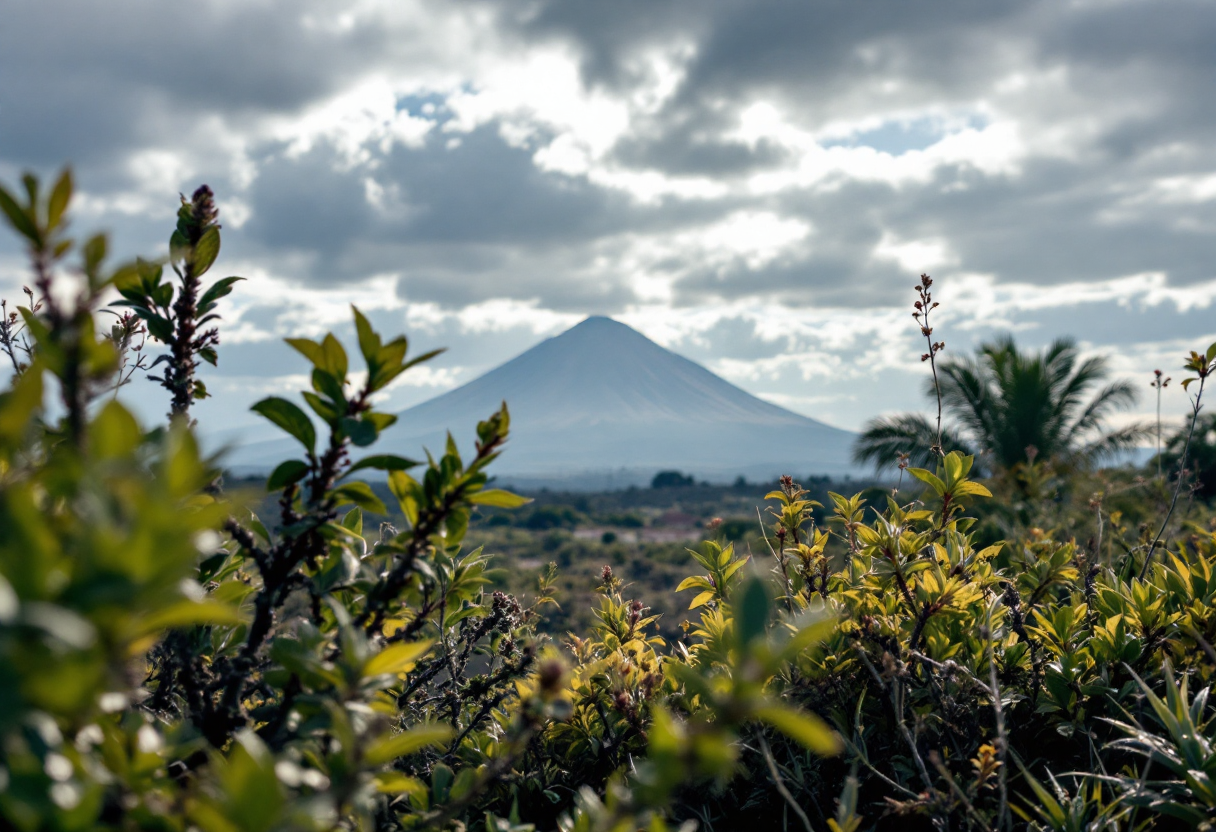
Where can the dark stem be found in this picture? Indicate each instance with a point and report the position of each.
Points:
(1186, 448)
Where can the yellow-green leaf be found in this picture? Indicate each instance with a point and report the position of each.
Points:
(401, 745)
(186, 614)
(394, 782)
(398, 658)
(498, 498)
(694, 582)
(964, 489)
(734, 567)
(929, 478)
(807, 729)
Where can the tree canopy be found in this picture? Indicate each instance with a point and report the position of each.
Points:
(1007, 406)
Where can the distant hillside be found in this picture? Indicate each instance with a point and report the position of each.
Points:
(602, 405)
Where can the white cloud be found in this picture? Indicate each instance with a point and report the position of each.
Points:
(915, 255)
(790, 191)
(989, 301)
(360, 124)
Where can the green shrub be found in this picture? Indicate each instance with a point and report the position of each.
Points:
(170, 660)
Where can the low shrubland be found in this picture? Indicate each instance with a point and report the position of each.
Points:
(935, 656)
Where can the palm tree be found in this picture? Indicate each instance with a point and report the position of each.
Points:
(1008, 407)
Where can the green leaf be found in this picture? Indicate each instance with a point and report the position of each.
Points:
(61, 195)
(353, 521)
(297, 658)
(751, 613)
(810, 634)
(402, 745)
(309, 349)
(251, 790)
(361, 433)
(1211, 353)
(162, 295)
(369, 341)
(114, 433)
(693, 582)
(290, 418)
(382, 462)
(380, 420)
(498, 498)
(327, 384)
(394, 782)
(398, 658)
(334, 357)
(360, 494)
(158, 327)
(17, 217)
(953, 463)
(286, 473)
(127, 280)
(973, 489)
(187, 614)
(320, 406)
(441, 782)
(390, 370)
(806, 729)
(404, 487)
(463, 784)
(219, 289)
(206, 250)
(932, 480)
(18, 405)
(178, 245)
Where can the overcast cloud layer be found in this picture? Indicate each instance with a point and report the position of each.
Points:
(754, 184)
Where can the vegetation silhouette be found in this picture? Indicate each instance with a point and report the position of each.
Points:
(1006, 406)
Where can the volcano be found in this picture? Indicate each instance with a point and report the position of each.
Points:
(601, 405)
(602, 400)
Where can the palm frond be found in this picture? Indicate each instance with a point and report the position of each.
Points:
(1109, 445)
(966, 395)
(882, 440)
(1117, 396)
(1008, 401)
(1070, 392)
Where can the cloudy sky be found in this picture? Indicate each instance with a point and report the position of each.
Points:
(754, 184)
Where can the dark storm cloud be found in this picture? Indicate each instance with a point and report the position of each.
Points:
(91, 81)
(463, 218)
(775, 43)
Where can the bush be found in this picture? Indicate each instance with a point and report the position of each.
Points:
(170, 660)
(672, 479)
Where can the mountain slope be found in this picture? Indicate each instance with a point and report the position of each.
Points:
(602, 396)
(602, 399)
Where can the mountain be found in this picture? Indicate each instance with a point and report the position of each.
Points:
(601, 405)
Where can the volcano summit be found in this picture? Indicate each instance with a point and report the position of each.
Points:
(602, 405)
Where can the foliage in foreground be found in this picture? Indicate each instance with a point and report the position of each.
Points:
(170, 661)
